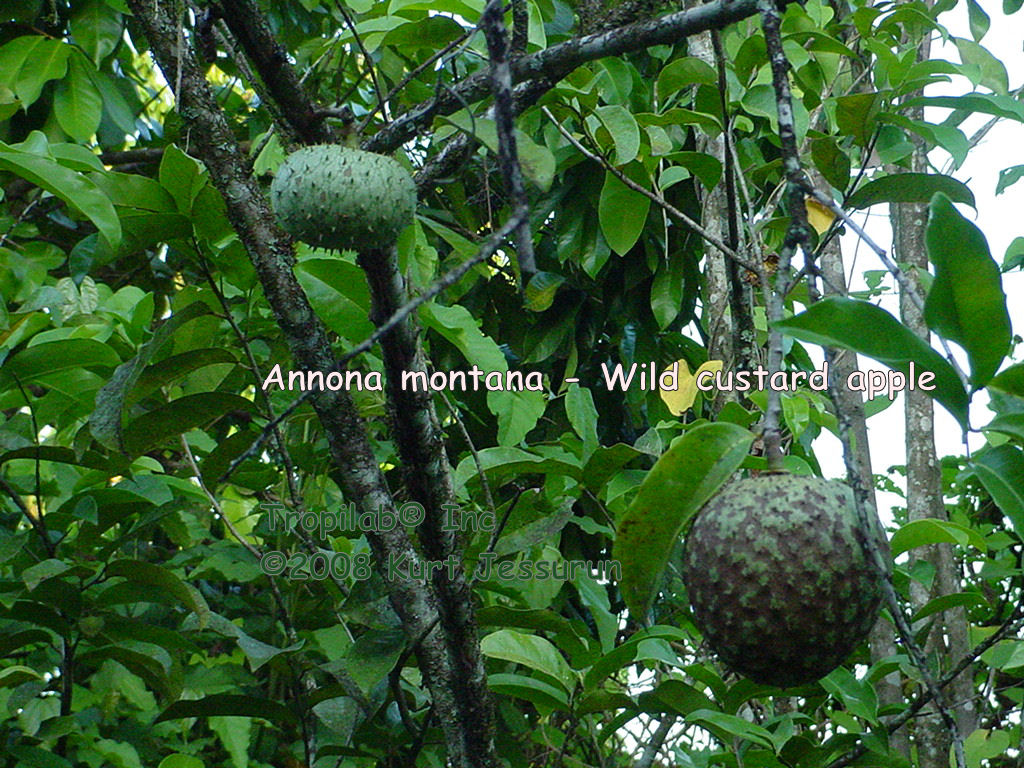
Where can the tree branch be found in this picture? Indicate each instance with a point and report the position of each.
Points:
(270, 59)
(493, 24)
(356, 470)
(554, 63)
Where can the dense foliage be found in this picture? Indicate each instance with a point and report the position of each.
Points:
(145, 471)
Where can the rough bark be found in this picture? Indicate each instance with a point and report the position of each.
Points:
(469, 741)
(948, 636)
(882, 640)
(427, 476)
(947, 640)
(715, 215)
(554, 63)
(269, 58)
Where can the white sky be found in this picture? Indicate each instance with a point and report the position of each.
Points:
(999, 218)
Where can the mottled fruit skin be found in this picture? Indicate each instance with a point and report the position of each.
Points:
(778, 581)
(342, 198)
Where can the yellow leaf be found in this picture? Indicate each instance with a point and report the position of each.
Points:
(818, 216)
(681, 398)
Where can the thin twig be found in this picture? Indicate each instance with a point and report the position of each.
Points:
(672, 211)
(367, 59)
(798, 232)
(492, 22)
(888, 263)
(492, 244)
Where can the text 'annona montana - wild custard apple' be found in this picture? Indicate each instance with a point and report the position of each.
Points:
(777, 577)
(342, 198)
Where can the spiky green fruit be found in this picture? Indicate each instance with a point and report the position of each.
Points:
(779, 582)
(343, 198)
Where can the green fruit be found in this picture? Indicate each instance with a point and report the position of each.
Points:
(779, 583)
(342, 198)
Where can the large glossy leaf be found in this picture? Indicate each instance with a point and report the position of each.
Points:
(55, 356)
(1001, 471)
(909, 188)
(995, 104)
(921, 533)
(154, 575)
(96, 27)
(685, 477)
(73, 188)
(531, 651)
(106, 422)
(1010, 381)
(517, 412)
(622, 211)
(624, 131)
(77, 102)
(179, 416)
(966, 303)
(529, 689)
(873, 332)
(231, 704)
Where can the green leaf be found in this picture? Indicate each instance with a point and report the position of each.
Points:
(831, 162)
(921, 533)
(179, 416)
(622, 211)
(1008, 177)
(536, 160)
(517, 411)
(945, 602)
(106, 421)
(983, 745)
(702, 165)
(153, 575)
(96, 27)
(996, 104)
(256, 651)
(178, 760)
(858, 696)
(1009, 424)
(1010, 381)
(981, 67)
(856, 115)
(873, 332)
(182, 176)
(36, 757)
(61, 455)
(528, 689)
(541, 290)
(48, 60)
(1001, 471)
(624, 131)
(36, 574)
(979, 20)
(76, 103)
(680, 73)
(681, 481)
(909, 188)
(966, 303)
(579, 407)
(51, 357)
(71, 187)
(338, 292)
(674, 696)
(530, 651)
(226, 704)
(727, 727)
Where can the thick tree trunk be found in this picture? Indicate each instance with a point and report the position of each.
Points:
(947, 640)
(844, 362)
